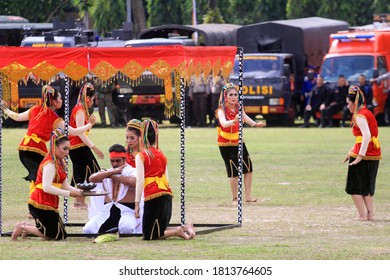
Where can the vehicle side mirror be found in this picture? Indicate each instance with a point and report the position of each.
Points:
(286, 70)
(375, 73)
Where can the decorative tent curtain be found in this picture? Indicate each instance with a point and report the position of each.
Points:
(16, 63)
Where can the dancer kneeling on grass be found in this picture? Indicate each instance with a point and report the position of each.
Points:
(363, 157)
(115, 210)
(50, 183)
(227, 114)
(152, 181)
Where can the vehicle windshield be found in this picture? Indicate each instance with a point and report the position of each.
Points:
(349, 66)
(260, 66)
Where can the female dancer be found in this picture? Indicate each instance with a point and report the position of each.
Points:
(152, 181)
(227, 114)
(133, 134)
(83, 160)
(50, 183)
(363, 157)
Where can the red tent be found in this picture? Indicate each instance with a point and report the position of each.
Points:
(18, 62)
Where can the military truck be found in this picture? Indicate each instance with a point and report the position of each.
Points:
(291, 46)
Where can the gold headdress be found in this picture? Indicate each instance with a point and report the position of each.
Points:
(135, 123)
(359, 99)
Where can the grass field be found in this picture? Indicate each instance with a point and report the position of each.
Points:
(303, 212)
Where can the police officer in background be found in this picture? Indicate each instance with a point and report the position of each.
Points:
(317, 96)
(104, 96)
(216, 84)
(198, 92)
(337, 100)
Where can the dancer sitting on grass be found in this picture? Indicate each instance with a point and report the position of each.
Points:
(152, 180)
(363, 157)
(115, 211)
(50, 183)
(227, 114)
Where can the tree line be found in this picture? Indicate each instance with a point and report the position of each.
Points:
(106, 15)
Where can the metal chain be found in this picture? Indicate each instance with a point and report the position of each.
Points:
(182, 149)
(66, 119)
(240, 130)
(1, 157)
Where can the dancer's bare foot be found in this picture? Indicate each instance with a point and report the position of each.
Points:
(181, 233)
(19, 231)
(234, 201)
(80, 205)
(189, 228)
(250, 199)
(361, 218)
(370, 216)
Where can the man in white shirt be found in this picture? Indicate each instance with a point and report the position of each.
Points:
(115, 211)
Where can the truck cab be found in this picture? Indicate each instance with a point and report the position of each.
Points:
(268, 86)
(359, 52)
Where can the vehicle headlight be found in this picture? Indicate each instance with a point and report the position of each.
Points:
(274, 101)
(125, 90)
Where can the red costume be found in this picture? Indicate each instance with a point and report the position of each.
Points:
(39, 129)
(75, 141)
(39, 198)
(373, 150)
(156, 184)
(228, 136)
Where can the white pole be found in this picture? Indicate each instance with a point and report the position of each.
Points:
(128, 10)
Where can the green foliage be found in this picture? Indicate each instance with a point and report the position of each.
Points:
(164, 12)
(108, 15)
(302, 8)
(381, 7)
(355, 12)
(213, 16)
(244, 11)
(33, 10)
(273, 9)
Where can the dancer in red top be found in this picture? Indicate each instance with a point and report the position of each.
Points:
(363, 157)
(152, 182)
(50, 183)
(83, 160)
(227, 114)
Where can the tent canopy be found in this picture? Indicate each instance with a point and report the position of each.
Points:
(18, 62)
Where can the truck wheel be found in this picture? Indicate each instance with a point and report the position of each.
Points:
(289, 118)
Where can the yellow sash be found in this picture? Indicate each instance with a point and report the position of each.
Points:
(33, 137)
(227, 135)
(162, 181)
(373, 139)
(33, 186)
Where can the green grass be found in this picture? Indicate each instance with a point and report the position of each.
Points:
(303, 212)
